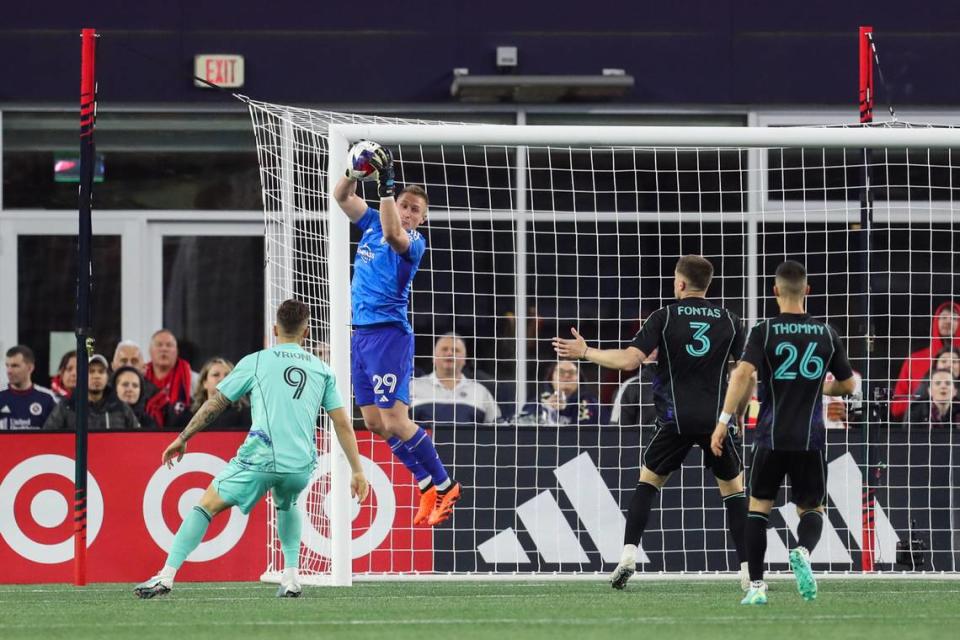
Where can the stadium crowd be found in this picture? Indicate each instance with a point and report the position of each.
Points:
(131, 392)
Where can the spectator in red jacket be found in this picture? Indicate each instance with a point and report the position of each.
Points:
(944, 333)
(169, 371)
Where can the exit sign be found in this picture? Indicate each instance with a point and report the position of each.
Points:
(223, 70)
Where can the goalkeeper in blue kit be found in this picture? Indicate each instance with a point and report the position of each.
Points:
(381, 348)
(287, 387)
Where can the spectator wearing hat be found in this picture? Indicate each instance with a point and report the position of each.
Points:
(106, 411)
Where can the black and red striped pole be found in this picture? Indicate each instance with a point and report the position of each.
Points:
(867, 98)
(88, 118)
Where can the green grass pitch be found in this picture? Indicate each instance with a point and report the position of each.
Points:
(874, 609)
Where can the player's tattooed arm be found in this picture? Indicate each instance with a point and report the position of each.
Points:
(208, 412)
(204, 417)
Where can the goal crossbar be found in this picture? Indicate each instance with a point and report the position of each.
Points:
(733, 137)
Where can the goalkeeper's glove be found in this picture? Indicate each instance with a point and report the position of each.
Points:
(353, 174)
(382, 160)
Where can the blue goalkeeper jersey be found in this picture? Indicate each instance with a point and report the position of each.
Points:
(382, 278)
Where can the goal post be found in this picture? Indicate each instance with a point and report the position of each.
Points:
(535, 228)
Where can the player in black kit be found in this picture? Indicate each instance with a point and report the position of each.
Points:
(695, 341)
(791, 355)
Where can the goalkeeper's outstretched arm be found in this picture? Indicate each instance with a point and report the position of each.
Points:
(576, 348)
(346, 195)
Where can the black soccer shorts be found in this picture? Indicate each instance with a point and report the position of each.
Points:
(807, 471)
(668, 449)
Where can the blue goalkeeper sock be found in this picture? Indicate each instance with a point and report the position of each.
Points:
(188, 536)
(289, 527)
(421, 447)
(409, 460)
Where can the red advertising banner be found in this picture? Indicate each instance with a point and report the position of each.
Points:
(135, 507)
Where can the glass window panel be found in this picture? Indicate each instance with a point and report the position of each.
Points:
(151, 161)
(836, 174)
(213, 295)
(47, 289)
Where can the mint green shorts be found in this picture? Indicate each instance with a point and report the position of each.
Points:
(243, 488)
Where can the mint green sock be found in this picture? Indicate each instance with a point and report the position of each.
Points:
(289, 526)
(188, 536)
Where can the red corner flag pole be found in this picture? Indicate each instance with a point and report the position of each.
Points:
(866, 76)
(867, 97)
(88, 116)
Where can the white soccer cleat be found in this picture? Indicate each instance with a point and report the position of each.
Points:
(620, 575)
(289, 589)
(155, 586)
(744, 577)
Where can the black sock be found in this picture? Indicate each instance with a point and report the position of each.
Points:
(736, 506)
(756, 537)
(809, 529)
(639, 512)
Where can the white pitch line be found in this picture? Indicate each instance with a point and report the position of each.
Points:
(711, 620)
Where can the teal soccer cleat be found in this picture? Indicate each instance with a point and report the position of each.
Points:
(757, 593)
(800, 564)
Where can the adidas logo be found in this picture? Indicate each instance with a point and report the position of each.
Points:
(383, 399)
(555, 540)
(5, 409)
(581, 482)
(845, 488)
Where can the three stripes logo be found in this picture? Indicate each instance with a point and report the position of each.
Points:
(544, 521)
(556, 542)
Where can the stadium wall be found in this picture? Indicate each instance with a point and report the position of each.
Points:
(699, 52)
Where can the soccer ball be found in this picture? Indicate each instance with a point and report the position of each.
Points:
(360, 155)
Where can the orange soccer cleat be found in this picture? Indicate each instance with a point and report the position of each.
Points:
(443, 508)
(428, 500)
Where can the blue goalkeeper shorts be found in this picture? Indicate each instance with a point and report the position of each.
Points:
(381, 364)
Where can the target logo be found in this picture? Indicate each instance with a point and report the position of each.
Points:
(382, 498)
(172, 493)
(42, 486)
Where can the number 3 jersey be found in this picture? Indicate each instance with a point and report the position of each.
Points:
(695, 340)
(792, 353)
(287, 387)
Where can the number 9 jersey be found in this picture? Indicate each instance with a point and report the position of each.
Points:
(792, 353)
(695, 340)
(287, 387)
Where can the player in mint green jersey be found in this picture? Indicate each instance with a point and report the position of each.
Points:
(288, 386)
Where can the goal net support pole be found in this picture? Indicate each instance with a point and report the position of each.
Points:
(866, 96)
(88, 117)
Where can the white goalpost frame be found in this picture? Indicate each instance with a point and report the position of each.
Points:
(341, 136)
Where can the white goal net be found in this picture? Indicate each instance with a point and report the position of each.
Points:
(534, 230)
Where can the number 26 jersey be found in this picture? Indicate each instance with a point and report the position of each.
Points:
(792, 353)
